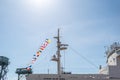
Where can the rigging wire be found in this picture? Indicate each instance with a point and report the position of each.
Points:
(64, 60)
(83, 57)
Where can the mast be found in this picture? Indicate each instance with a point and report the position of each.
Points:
(58, 53)
(57, 57)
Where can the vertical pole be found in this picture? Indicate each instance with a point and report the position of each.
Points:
(18, 76)
(48, 71)
(1, 73)
(58, 53)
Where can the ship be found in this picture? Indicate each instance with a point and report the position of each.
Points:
(110, 72)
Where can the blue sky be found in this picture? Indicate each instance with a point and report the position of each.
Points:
(86, 25)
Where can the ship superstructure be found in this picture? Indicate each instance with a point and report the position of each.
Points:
(110, 72)
(113, 61)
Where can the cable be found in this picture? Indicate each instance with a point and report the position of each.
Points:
(64, 60)
(84, 57)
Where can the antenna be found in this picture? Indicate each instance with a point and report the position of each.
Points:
(4, 62)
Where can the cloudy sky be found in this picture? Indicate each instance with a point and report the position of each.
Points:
(86, 25)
